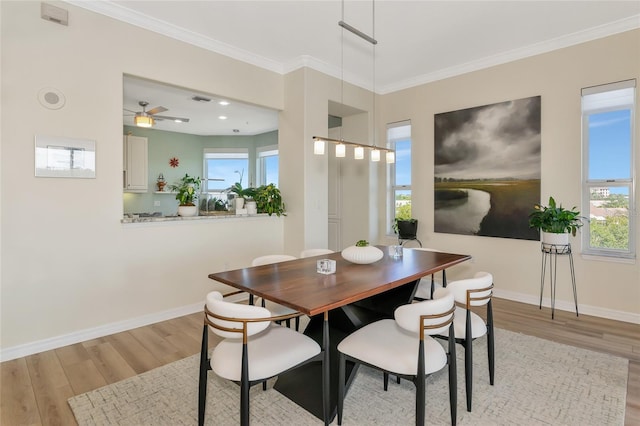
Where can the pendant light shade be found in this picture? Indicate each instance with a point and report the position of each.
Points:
(143, 121)
(341, 150)
(375, 155)
(318, 147)
(391, 157)
(358, 153)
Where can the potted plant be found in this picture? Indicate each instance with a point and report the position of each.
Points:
(241, 193)
(555, 222)
(186, 193)
(362, 253)
(269, 200)
(406, 228)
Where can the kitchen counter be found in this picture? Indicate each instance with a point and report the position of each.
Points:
(157, 219)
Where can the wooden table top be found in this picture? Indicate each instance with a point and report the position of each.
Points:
(296, 283)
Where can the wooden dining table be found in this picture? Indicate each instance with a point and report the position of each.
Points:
(337, 304)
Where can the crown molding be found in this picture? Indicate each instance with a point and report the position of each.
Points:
(121, 13)
(129, 16)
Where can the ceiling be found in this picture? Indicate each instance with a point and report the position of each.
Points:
(204, 117)
(418, 41)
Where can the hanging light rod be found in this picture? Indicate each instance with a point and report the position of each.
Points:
(357, 32)
(338, 141)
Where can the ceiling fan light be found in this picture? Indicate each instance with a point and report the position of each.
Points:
(375, 155)
(143, 121)
(358, 153)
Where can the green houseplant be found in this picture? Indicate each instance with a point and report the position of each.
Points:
(269, 200)
(555, 219)
(186, 193)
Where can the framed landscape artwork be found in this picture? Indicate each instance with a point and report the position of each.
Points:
(487, 169)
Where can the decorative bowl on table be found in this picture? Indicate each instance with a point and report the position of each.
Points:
(362, 253)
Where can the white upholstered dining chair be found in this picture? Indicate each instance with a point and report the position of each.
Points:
(253, 350)
(468, 326)
(404, 347)
(315, 252)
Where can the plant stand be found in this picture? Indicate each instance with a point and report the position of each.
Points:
(552, 251)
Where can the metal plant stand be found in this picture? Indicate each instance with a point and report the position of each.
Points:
(552, 251)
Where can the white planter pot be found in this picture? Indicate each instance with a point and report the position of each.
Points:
(187, 211)
(239, 203)
(555, 239)
(251, 207)
(362, 255)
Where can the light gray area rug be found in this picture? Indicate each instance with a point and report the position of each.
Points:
(537, 382)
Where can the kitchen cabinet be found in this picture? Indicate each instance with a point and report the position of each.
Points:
(136, 164)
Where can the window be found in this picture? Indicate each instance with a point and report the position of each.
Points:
(608, 169)
(399, 138)
(267, 165)
(224, 167)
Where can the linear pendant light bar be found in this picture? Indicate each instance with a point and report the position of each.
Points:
(337, 141)
(357, 32)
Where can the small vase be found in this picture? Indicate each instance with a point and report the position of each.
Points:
(186, 211)
(362, 255)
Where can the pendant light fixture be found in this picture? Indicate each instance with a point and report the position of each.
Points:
(359, 148)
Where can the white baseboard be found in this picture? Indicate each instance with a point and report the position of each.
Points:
(103, 330)
(569, 306)
(93, 333)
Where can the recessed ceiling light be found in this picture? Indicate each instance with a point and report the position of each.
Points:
(222, 117)
(224, 103)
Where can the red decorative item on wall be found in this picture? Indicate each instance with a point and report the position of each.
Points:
(174, 162)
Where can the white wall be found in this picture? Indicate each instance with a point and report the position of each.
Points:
(68, 264)
(605, 288)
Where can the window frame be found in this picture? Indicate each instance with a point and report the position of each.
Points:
(591, 183)
(391, 173)
(262, 153)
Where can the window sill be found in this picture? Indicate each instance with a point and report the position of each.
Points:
(613, 259)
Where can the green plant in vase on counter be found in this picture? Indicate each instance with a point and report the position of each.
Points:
(187, 190)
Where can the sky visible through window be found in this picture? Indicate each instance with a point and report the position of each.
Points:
(403, 162)
(610, 147)
(228, 169)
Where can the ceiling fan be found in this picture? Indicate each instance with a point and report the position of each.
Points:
(146, 118)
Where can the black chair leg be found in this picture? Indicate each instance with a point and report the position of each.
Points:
(453, 377)
(297, 323)
(386, 380)
(244, 388)
(202, 381)
(468, 361)
(341, 378)
(421, 383)
(490, 343)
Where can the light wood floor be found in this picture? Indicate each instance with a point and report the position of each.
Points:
(35, 389)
